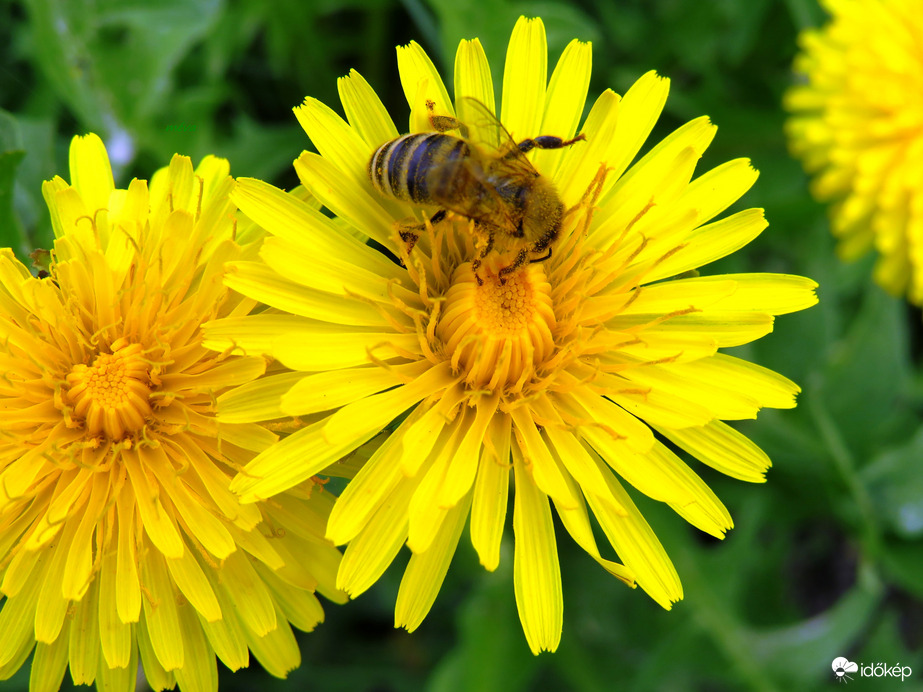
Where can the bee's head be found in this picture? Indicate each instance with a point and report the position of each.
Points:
(542, 215)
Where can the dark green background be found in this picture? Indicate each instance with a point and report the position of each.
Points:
(827, 557)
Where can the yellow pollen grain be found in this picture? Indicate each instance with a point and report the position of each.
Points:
(497, 332)
(112, 395)
(504, 309)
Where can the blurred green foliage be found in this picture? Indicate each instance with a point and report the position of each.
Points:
(827, 557)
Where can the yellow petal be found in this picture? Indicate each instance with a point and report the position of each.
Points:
(17, 624)
(366, 492)
(347, 198)
(577, 522)
(426, 571)
(617, 424)
(491, 493)
(426, 428)
(127, 583)
(257, 281)
(425, 512)
(711, 242)
(330, 273)
(776, 294)
(566, 446)
(374, 548)
(723, 448)
(91, 173)
(376, 411)
(639, 110)
(248, 594)
(564, 101)
(227, 374)
(336, 141)
(305, 228)
(115, 636)
(524, 79)
(258, 546)
(581, 162)
(365, 111)
(716, 190)
(638, 468)
(161, 620)
(422, 83)
(538, 460)
(680, 295)
(301, 608)
(283, 466)
(158, 525)
(157, 677)
(259, 400)
(637, 545)
(83, 639)
(732, 389)
(226, 636)
(656, 407)
(200, 674)
(330, 390)
(536, 571)
(52, 606)
(723, 328)
(341, 349)
(472, 75)
(125, 678)
(48, 666)
(277, 651)
(464, 465)
(189, 577)
(654, 205)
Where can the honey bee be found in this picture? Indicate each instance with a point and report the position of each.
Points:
(491, 183)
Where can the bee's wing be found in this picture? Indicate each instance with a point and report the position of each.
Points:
(499, 158)
(491, 135)
(478, 198)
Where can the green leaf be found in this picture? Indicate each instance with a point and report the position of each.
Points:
(39, 164)
(798, 652)
(868, 376)
(895, 484)
(11, 155)
(111, 61)
(492, 655)
(904, 563)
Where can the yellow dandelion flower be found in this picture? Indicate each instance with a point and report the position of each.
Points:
(857, 126)
(119, 537)
(565, 374)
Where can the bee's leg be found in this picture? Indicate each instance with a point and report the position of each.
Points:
(409, 237)
(517, 263)
(445, 123)
(541, 259)
(476, 263)
(547, 142)
(410, 232)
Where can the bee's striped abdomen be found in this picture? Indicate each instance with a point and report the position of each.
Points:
(401, 168)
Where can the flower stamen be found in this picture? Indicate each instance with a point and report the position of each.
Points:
(112, 396)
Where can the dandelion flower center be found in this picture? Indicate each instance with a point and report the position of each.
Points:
(497, 331)
(112, 395)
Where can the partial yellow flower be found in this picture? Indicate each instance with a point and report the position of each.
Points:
(566, 376)
(119, 537)
(857, 126)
